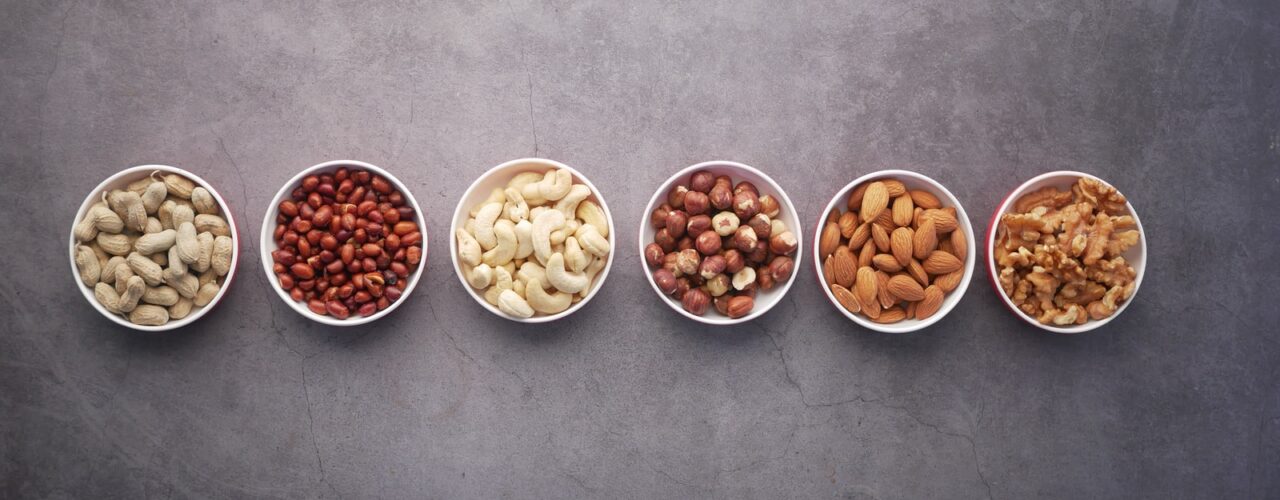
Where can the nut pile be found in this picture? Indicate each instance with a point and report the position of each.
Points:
(535, 246)
(895, 253)
(348, 242)
(718, 244)
(1059, 253)
(154, 251)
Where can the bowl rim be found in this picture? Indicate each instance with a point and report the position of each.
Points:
(779, 291)
(993, 273)
(266, 242)
(461, 210)
(147, 169)
(952, 299)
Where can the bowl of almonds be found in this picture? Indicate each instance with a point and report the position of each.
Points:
(894, 251)
(1066, 252)
(154, 247)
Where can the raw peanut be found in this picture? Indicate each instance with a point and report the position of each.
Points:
(186, 284)
(206, 253)
(98, 218)
(123, 273)
(153, 197)
(202, 201)
(160, 295)
(220, 259)
(181, 213)
(153, 226)
(128, 205)
(107, 296)
(180, 309)
(165, 214)
(179, 186)
(207, 277)
(212, 224)
(133, 291)
(175, 262)
(148, 244)
(140, 186)
(87, 263)
(109, 269)
(187, 243)
(114, 244)
(160, 258)
(149, 315)
(205, 294)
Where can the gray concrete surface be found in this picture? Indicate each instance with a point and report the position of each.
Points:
(1174, 102)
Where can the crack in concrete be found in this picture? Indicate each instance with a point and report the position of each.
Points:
(311, 422)
(524, 61)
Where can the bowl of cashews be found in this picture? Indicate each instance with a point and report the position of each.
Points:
(532, 240)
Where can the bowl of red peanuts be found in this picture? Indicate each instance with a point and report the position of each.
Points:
(344, 242)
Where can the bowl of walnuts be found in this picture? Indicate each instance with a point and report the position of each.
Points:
(720, 242)
(1066, 252)
(894, 251)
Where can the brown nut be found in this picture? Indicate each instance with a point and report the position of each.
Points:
(696, 301)
(665, 280)
(740, 306)
(677, 221)
(696, 203)
(746, 187)
(712, 266)
(718, 285)
(675, 197)
(744, 239)
(746, 204)
(685, 243)
(698, 224)
(658, 219)
(781, 267)
(709, 243)
(783, 243)
(687, 261)
(664, 239)
(721, 196)
(760, 253)
(722, 303)
(762, 226)
(653, 254)
(733, 261)
(769, 206)
(702, 181)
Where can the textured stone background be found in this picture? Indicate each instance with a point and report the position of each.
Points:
(1174, 102)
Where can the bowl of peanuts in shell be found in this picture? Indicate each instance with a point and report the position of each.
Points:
(894, 251)
(154, 247)
(1066, 252)
(344, 243)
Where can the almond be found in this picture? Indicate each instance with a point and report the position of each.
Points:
(828, 272)
(868, 253)
(883, 293)
(917, 271)
(931, 302)
(833, 216)
(886, 263)
(924, 199)
(855, 197)
(846, 298)
(943, 221)
(860, 236)
(906, 288)
(959, 245)
(881, 237)
(885, 220)
(940, 262)
(894, 187)
(911, 309)
(874, 201)
(869, 309)
(925, 239)
(901, 242)
(829, 240)
(903, 209)
(843, 266)
(866, 288)
(848, 223)
(950, 281)
(891, 315)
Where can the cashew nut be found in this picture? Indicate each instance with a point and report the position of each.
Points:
(569, 203)
(480, 276)
(505, 249)
(574, 257)
(593, 269)
(511, 303)
(496, 196)
(547, 221)
(531, 272)
(592, 241)
(502, 278)
(592, 214)
(556, 184)
(485, 219)
(515, 208)
(468, 248)
(524, 239)
(561, 278)
(523, 179)
(546, 303)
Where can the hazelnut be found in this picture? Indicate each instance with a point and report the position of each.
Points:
(698, 224)
(762, 226)
(702, 181)
(721, 196)
(682, 287)
(744, 277)
(733, 261)
(658, 219)
(696, 203)
(669, 263)
(777, 226)
(749, 291)
(740, 306)
(769, 206)
(760, 253)
(722, 304)
(653, 254)
(687, 261)
(718, 285)
(696, 301)
(781, 267)
(685, 243)
(712, 266)
(725, 223)
(665, 280)
(676, 223)
(744, 239)
(782, 243)
(745, 187)
(746, 204)
(709, 243)
(724, 180)
(664, 240)
(675, 197)
(764, 280)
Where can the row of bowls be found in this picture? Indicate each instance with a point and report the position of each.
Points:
(499, 175)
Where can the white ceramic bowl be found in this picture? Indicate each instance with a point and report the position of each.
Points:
(498, 177)
(1136, 256)
(267, 242)
(912, 180)
(119, 181)
(765, 299)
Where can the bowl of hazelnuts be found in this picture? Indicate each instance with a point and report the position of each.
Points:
(720, 242)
